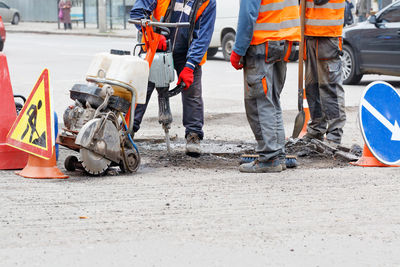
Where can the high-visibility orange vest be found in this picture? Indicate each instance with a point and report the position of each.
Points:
(161, 10)
(277, 20)
(324, 20)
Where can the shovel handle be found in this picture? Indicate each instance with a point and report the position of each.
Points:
(301, 54)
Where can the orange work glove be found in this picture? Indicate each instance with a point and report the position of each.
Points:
(186, 76)
(235, 61)
(162, 45)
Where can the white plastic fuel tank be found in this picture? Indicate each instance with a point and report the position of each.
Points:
(130, 70)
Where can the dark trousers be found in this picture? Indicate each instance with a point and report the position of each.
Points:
(192, 101)
(324, 90)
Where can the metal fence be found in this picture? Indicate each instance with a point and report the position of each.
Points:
(47, 11)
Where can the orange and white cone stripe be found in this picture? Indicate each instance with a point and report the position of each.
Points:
(307, 115)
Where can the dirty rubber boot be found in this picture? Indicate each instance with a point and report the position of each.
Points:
(273, 165)
(193, 148)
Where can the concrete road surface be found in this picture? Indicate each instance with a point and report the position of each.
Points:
(194, 212)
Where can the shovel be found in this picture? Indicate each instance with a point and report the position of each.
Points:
(300, 117)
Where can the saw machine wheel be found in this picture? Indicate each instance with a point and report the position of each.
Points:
(70, 163)
(94, 163)
(131, 161)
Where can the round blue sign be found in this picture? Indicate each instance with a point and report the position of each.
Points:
(379, 120)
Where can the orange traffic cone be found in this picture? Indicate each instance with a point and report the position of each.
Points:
(10, 158)
(39, 168)
(369, 160)
(307, 115)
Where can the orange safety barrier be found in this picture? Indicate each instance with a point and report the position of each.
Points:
(368, 160)
(307, 115)
(10, 158)
(40, 168)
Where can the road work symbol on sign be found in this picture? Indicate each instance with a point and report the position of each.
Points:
(379, 121)
(32, 131)
(32, 113)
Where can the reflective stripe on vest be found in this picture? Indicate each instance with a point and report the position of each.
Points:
(184, 9)
(278, 5)
(276, 26)
(277, 20)
(324, 20)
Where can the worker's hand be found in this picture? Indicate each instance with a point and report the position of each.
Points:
(186, 76)
(235, 61)
(162, 45)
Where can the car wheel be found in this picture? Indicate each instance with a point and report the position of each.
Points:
(349, 66)
(1, 45)
(227, 45)
(15, 19)
(212, 51)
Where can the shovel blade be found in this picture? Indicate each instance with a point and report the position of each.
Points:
(298, 123)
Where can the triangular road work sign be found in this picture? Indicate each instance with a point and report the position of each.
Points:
(32, 131)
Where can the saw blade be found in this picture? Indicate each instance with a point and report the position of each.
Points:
(94, 163)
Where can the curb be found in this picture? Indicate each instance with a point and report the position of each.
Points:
(74, 33)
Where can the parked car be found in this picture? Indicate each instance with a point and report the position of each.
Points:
(225, 28)
(373, 46)
(9, 14)
(2, 34)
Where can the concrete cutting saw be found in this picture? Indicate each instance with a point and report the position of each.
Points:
(99, 125)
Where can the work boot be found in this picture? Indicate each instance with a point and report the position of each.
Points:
(193, 148)
(282, 160)
(272, 165)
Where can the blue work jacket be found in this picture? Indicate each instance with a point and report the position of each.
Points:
(179, 37)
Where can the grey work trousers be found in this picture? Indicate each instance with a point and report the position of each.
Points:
(264, 78)
(192, 101)
(324, 91)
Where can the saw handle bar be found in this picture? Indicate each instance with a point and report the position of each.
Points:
(152, 38)
(161, 25)
(179, 88)
(20, 96)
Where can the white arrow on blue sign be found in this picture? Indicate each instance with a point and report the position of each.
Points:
(379, 121)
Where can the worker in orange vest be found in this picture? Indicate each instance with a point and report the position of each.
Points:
(265, 33)
(323, 79)
(189, 48)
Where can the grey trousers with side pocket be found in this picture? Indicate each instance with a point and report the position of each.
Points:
(324, 91)
(264, 78)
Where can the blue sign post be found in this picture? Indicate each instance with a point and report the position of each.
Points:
(379, 121)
